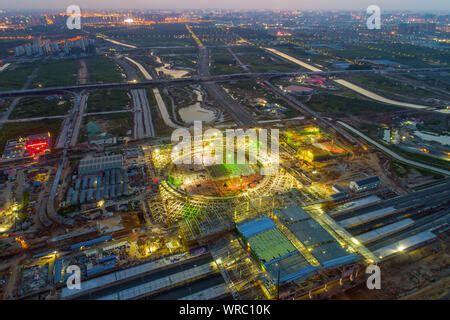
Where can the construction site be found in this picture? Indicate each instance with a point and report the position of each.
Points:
(173, 223)
(303, 232)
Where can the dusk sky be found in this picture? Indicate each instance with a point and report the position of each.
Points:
(430, 5)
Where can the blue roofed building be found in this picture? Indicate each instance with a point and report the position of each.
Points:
(365, 184)
(294, 246)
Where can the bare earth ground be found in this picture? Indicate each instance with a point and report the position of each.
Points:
(83, 74)
(422, 274)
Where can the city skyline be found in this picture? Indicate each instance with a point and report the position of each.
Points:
(346, 5)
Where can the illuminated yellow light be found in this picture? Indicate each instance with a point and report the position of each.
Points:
(101, 203)
(356, 241)
(400, 248)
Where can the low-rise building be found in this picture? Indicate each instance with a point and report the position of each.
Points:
(365, 184)
(91, 165)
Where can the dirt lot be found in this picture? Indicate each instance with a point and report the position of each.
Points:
(422, 274)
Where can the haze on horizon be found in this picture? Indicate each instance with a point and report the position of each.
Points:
(385, 5)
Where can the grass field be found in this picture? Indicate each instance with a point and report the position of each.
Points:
(4, 104)
(56, 73)
(15, 76)
(387, 86)
(181, 61)
(102, 69)
(108, 100)
(260, 61)
(401, 170)
(311, 57)
(115, 124)
(41, 107)
(14, 130)
(422, 158)
(165, 34)
(343, 106)
(222, 62)
(247, 93)
(406, 54)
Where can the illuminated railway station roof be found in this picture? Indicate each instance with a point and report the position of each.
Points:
(310, 233)
(284, 249)
(291, 268)
(292, 214)
(270, 245)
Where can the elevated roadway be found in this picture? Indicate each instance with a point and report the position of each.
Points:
(349, 85)
(162, 107)
(391, 153)
(196, 79)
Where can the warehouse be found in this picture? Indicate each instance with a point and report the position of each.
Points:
(365, 184)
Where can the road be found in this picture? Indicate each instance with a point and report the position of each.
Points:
(106, 112)
(117, 42)
(293, 102)
(72, 123)
(143, 124)
(78, 121)
(68, 138)
(13, 104)
(141, 68)
(159, 100)
(3, 67)
(35, 119)
(244, 66)
(240, 115)
(349, 85)
(392, 153)
(200, 79)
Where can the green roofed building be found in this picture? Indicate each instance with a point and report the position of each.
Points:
(92, 129)
(222, 171)
(270, 245)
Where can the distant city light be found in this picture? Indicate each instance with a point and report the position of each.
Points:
(128, 20)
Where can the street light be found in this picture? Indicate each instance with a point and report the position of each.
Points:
(278, 281)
